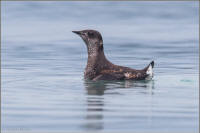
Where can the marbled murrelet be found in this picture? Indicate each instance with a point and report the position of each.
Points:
(99, 68)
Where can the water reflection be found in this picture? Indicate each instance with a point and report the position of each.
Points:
(98, 88)
(95, 98)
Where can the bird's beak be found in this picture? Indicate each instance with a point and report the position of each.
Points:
(77, 32)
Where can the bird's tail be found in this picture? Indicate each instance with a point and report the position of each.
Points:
(149, 70)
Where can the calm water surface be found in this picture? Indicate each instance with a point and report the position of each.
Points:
(43, 62)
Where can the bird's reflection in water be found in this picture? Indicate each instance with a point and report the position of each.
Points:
(95, 104)
(96, 91)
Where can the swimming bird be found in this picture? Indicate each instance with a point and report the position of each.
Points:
(100, 68)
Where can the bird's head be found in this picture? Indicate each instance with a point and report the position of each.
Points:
(92, 39)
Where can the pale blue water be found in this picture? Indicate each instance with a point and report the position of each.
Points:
(43, 64)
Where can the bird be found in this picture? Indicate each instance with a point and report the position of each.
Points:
(100, 68)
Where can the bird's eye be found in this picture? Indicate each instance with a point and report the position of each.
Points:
(90, 34)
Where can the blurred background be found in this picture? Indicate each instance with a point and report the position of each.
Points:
(43, 64)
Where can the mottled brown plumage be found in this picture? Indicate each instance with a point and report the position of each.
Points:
(99, 68)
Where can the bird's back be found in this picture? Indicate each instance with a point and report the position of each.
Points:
(114, 72)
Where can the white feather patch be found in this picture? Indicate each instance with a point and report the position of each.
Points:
(149, 72)
(127, 74)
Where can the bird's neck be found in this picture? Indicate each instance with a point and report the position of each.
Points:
(96, 63)
(96, 59)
